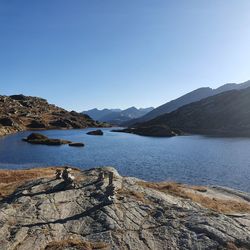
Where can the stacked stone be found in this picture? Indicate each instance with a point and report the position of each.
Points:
(111, 190)
(58, 174)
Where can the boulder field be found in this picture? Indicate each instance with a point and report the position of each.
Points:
(37, 211)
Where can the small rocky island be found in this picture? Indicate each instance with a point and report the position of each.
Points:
(95, 132)
(37, 138)
(107, 211)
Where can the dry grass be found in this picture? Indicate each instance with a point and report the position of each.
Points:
(219, 205)
(169, 187)
(77, 244)
(11, 179)
(137, 195)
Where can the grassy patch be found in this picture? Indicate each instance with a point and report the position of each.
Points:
(136, 195)
(179, 190)
(77, 244)
(11, 179)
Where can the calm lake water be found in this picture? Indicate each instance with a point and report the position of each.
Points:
(190, 159)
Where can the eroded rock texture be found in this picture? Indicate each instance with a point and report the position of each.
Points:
(44, 214)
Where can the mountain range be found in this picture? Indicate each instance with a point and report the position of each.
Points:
(227, 113)
(190, 97)
(221, 111)
(117, 116)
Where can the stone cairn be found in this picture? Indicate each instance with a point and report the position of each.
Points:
(101, 177)
(58, 174)
(68, 177)
(110, 189)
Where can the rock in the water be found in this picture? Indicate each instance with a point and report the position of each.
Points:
(76, 144)
(95, 132)
(36, 138)
(44, 214)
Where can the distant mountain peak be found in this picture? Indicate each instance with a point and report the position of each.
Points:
(117, 116)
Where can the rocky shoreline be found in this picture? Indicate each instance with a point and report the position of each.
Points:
(39, 212)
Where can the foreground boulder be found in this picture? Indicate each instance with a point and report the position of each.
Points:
(43, 214)
(95, 132)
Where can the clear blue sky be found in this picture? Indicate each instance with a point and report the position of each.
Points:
(81, 54)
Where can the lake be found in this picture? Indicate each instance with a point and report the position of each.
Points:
(195, 160)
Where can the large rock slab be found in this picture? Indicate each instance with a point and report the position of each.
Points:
(44, 214)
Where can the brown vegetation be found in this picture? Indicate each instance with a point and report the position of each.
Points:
(11, 179)
(186, 192)
(131, 193)
(77, 244)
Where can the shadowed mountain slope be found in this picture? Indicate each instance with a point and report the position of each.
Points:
(227, 114)
(188, 98)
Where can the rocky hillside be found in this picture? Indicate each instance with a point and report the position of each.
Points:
(42, 213)
(226, 114)
(188, 98)
(19, 112)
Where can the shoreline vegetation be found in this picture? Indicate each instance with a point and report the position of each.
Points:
(37, 207)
